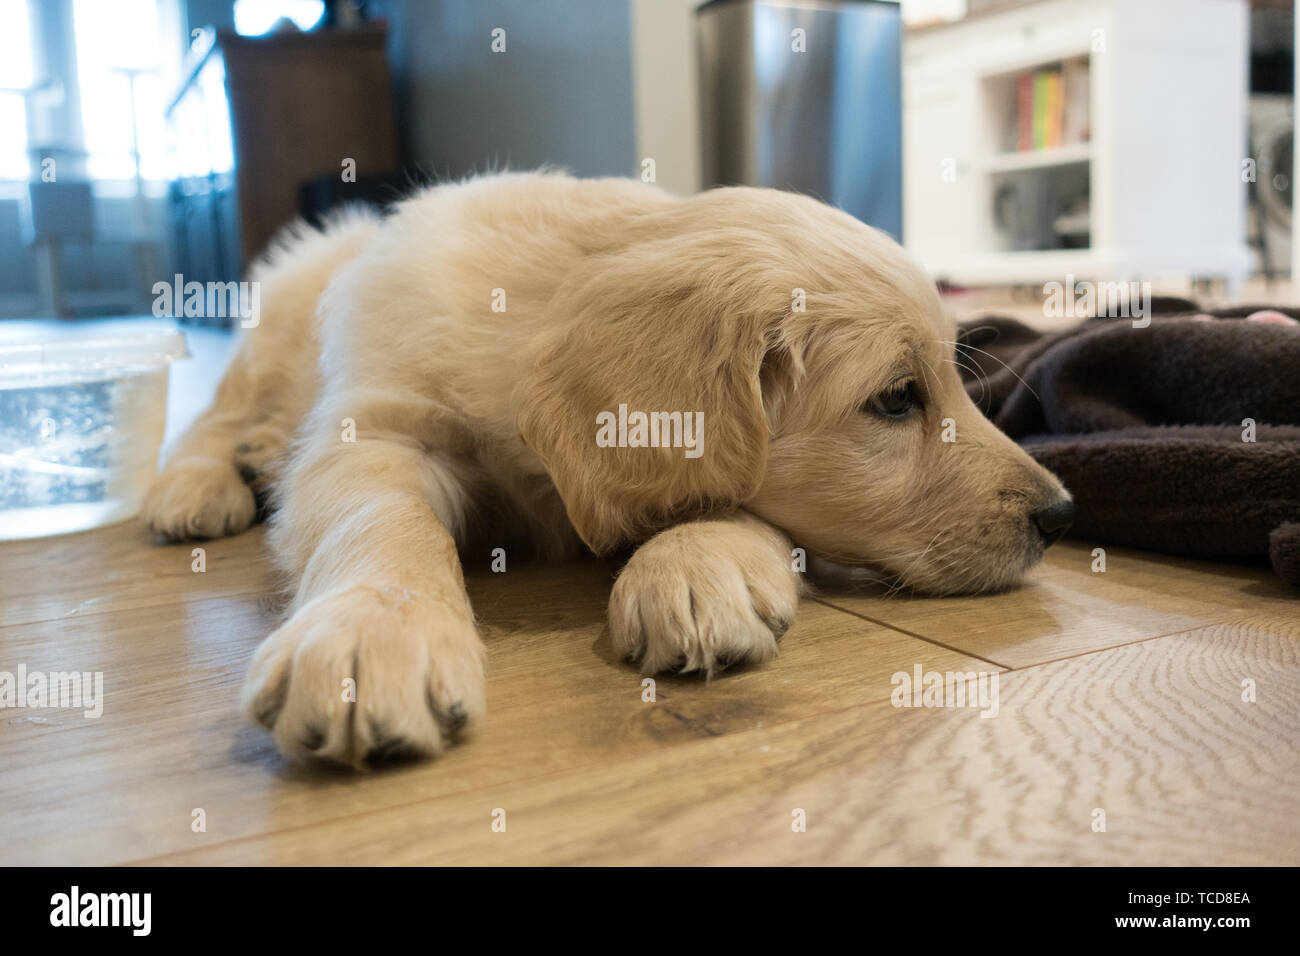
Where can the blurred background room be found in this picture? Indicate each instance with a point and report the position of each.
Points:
(1005, 142)
(152, 147)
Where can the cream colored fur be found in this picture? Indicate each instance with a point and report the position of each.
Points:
(476, 429)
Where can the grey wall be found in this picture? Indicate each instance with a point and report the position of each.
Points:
(561, 93)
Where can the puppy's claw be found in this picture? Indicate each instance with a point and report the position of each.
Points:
(777, 625)
(405, 657)
(198, 498)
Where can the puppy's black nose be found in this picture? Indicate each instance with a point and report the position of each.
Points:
(1054, 520)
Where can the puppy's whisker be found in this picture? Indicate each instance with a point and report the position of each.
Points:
(977, 371)
(957, 360)
(978, 377)
(983, 328)
(1000, 362)
(928, 386)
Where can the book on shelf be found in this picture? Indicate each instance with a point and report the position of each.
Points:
(1052, 106)
(1025, 111)
(1076, 85)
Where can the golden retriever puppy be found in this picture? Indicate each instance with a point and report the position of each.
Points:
(535, 360)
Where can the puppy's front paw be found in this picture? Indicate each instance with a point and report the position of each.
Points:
(198, 498)
(689, 600)
(366, 675)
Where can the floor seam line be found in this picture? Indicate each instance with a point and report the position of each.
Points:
(919, 637)
(1141, 640)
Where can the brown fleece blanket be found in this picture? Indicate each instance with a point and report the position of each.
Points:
(1145, 425)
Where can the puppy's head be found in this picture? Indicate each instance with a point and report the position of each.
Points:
(812, 355)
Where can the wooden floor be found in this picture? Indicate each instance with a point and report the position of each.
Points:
(1118, 691)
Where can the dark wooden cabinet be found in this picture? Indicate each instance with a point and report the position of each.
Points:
(258, 117)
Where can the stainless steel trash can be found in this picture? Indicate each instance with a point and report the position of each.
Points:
(805, 95)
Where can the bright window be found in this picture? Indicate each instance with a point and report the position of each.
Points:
(255, 17)
(13, 137)
(118, 56)
(15, 75)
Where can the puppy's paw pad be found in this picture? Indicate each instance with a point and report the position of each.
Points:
(198, 498)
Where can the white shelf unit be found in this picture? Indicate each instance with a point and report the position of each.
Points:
(1165, 198)
(1038, 158)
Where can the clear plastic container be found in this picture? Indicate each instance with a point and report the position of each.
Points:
(81, 422)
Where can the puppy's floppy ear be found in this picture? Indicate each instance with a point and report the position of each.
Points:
(667, 327)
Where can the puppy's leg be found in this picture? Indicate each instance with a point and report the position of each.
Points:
(210, 485)
(230, 457)
(380, 657)
(705, 594)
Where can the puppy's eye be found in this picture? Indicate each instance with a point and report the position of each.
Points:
(896, 402)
